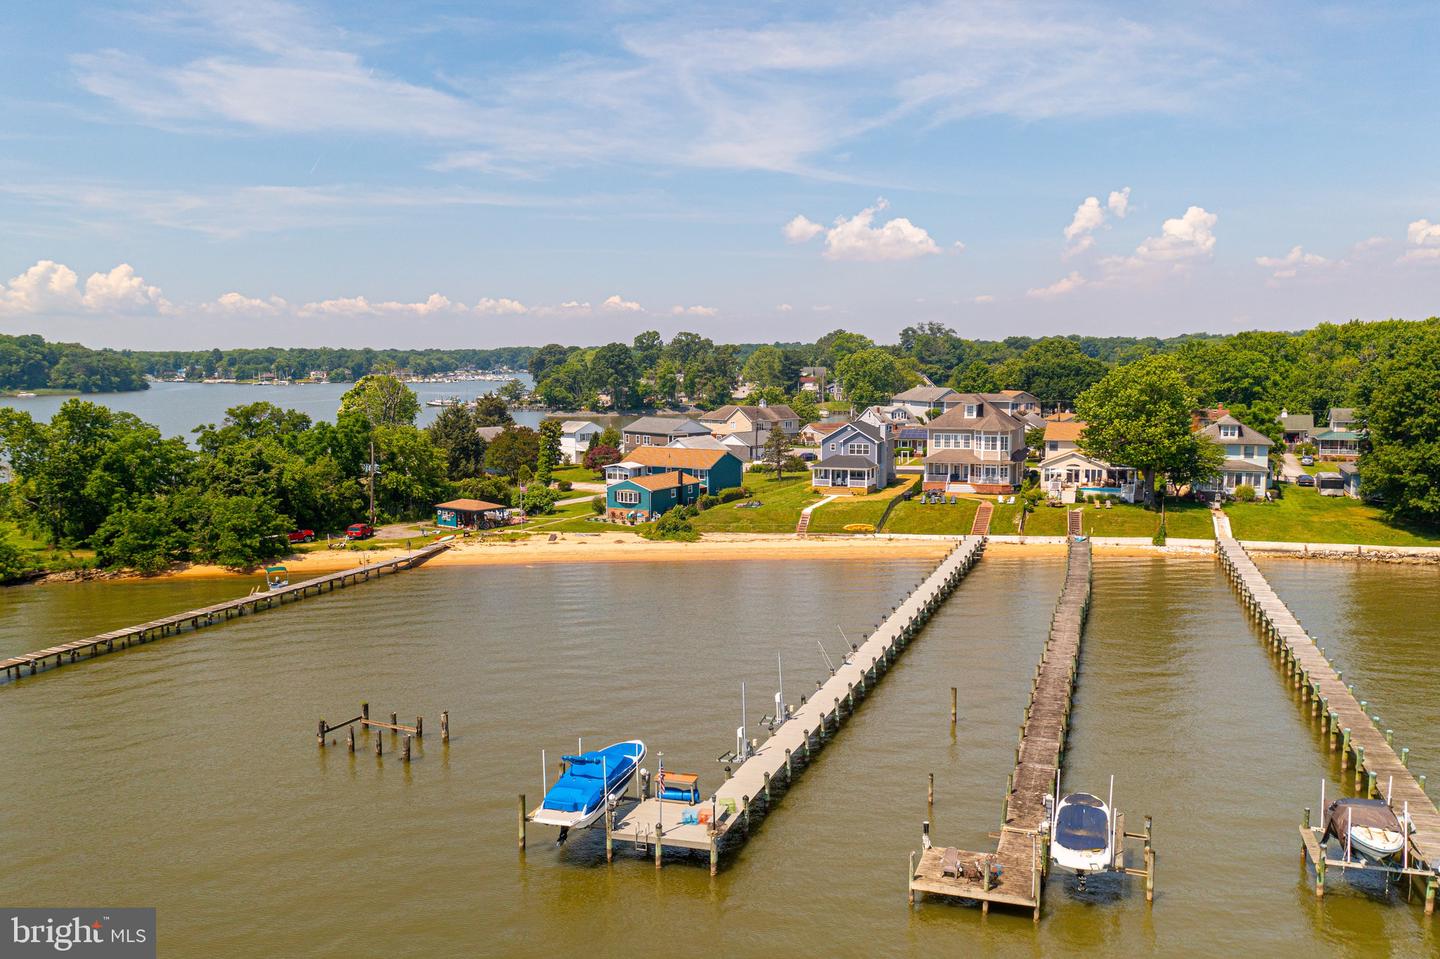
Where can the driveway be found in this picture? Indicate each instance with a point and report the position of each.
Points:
(1291, 468)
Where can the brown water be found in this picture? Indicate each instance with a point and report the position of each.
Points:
(184, 774)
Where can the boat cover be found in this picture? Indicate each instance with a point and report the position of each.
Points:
(1375, 813)
(580, 788)
(1082, 823)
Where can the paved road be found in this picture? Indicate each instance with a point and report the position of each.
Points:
(1291, 467)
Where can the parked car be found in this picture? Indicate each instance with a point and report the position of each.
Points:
(1304, 479)
(808, 457)
(302, 536)
(359, 531)
(1307, 460)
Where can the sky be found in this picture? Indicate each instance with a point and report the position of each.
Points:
(234, 173)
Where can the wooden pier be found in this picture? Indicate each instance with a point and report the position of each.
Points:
(1344, 722)
(1014, 874)
(654, 824)
(85, 649)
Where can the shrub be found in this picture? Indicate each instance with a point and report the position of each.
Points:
(1159, 538)
(1245, 493)
(733, 493)
(537, 500)
(672, 525)
(597, 505)
(706, 501)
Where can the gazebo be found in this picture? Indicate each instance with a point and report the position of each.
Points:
(469, 514)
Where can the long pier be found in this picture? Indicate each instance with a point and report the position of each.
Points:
(85, 649)
(1014, 874)
(655, 824)
(1344, 722)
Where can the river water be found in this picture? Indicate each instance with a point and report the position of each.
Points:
(184, 774)
(177, 408)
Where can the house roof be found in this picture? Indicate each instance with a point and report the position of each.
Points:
(675, 456)
(845, 461)
(665, 426)
(1017, 393)
(953, 456)
(924, 394)
(575, 426)
(870, 430)
(659, 481)
(488, 433)
(470, 505)
(914, 433)
(747, 438)
(1343, 413)
(773, 414)
(1247, 434)
(1064, 430)
(1243, 466)
(706, 442)
(823, 427)
(1060, 417)
(1297, 423)
(1337, 435)
(1349, 469)
(955, 418)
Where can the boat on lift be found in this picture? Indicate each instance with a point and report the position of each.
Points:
(1365, 826)
(1082, 834)
(578, 797)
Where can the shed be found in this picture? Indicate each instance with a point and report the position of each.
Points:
(469, 514)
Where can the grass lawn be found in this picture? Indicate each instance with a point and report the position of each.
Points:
(1304, 516)
(38, 555)
(835, 515)
(782, 501)
(1182, 521)
(913, 516)
(577, 474)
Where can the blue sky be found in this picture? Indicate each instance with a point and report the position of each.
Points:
(449, 174)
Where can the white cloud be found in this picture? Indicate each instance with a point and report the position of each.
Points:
(801, 230)
(1088, 216)
(1119, 202)
(237, 304)
(1183, 240)
(500, 307)
(360, 306)
(784, 307)
(1287, 266)
(1060, 287)
(693, 311)
(615, 304)
(984, 298)
(50, 287)
(854, 238)
(1424, 239)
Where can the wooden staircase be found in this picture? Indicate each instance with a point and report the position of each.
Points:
(981, 525)
(804, 523)
(1072, 523)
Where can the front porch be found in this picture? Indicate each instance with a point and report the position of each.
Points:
(843, 481)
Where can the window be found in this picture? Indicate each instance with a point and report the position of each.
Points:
(859, 449)
(992, 441)
(965, 440)
(1229, 430)
(1053, 446)
(627, 497)
(646, 440)
(1249, 452)
(970, 410)
(832, 447)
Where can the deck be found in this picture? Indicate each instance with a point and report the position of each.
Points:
(1343, 722)
(1021, 854)
(754, 785)
(194, 619)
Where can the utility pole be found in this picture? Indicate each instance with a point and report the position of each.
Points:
(372, 481)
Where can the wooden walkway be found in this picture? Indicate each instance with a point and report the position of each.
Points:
(194, 619)
(655, 824)
(981, 524)
(1021, 854)
(1343, 721)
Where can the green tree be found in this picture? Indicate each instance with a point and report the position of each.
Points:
(836, 346)
(610, 436)
(456, 432)
(805, 407)
(236, 531)
(1401, 464)
(977, 376)
(490, 410)
(383, 400)
(1139, 416)
(647, 347)
(516, 447)
(871, 377)
(613, 371)
(600, 456)
(146, 537)
(547, 358)
(512, 392)
(548, 454)
(765, 367)
(12, 559)
(776, 449)
(1054, 369)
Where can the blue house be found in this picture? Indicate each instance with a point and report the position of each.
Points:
(716, 469)
(643, 498)
(854, 459)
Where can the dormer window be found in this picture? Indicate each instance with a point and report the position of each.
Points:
(971, 409)
(1229, 430)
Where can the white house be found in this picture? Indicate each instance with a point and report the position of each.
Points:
(920, 400)
(1066, 471)
(575, 436)
(1247, 456)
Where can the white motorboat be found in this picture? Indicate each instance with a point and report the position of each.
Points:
(1368, 827)
(1082, 834)
(578, 797)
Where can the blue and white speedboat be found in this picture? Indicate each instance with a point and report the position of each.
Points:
(578, 797)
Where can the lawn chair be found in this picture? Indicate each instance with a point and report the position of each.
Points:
(950, 862)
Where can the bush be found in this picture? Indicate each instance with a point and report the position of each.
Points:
(733, 493)
(794, 464)
(1159, 538)
(597, 505)
(565, 486)
(672, 525)
(1244, 493)
(538, 500)
(707, 501)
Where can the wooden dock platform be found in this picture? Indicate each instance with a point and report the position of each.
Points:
(1021, 854)
(655, 824)
(1343, 721)
(84, 649)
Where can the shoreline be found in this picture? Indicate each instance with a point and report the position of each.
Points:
(616, 547)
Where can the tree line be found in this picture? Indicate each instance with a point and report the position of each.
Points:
(31, 363)
(340, 365)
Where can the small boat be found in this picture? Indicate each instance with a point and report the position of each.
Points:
(24, 395)
(277, 577)
(1082, 838)
(578, 797)
(444, 401)
(1365, 826)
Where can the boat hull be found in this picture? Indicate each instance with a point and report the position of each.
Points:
(1082, 840)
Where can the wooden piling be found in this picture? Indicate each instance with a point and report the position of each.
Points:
(405, 749)
(930, 799)
(444, 726)
(419, 727)
(954, 705)
(520, 815)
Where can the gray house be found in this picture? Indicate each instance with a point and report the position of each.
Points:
(659, 431)
(855, 458)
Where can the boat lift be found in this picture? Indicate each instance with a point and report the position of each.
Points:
(1316, 852)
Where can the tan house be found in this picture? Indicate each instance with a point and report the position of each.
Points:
(974, 448)
(1065, 471)
(1015, 401)
(751, 419)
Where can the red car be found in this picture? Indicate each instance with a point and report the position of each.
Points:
(303, 536)
(359, 531)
